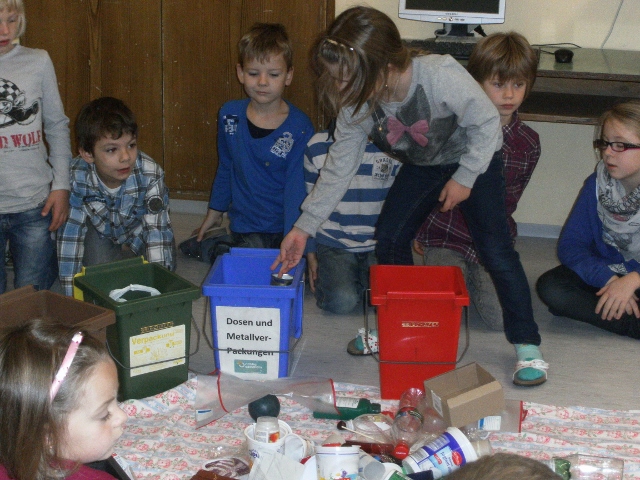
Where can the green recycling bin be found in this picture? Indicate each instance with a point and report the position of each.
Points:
(150, 338)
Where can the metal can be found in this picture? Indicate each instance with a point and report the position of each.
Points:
(284, 281)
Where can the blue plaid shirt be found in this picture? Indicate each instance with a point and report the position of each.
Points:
(137, 216)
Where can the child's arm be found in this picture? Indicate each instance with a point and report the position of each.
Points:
(213, 218)
(156, 238)
(56, 130)
(70, 240)
(578, 246)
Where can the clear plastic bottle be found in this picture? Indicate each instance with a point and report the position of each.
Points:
(349, 408)
(587, 467)
(407, 424)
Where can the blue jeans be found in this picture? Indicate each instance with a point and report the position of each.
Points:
(414, 195)
(342, 278)
(32, 247)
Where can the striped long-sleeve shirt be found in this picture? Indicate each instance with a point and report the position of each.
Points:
(351, 225)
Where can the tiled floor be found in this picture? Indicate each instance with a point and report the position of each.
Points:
(589, 367)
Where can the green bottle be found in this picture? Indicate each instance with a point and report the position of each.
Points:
(350, 408)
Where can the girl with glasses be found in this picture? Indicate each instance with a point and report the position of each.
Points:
(599, 247)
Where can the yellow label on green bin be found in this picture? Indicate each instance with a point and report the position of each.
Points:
(157, 350)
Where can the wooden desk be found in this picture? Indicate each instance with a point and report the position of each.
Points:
(578, 92)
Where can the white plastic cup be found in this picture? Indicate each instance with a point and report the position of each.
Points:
(337, 462)
(443, 455)
(383, 471)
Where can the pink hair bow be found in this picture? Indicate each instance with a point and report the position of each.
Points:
(417, 131)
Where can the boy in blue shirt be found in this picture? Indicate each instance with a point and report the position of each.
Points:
(119, 201)
(261, 141)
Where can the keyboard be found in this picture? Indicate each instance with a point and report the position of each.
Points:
(458, 49)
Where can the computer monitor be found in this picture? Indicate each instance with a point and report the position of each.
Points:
(459, 17)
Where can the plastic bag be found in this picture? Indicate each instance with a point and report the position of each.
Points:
(222, 393)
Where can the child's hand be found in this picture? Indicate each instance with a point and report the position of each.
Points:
(291, 250)
(452, 194)
(418, 248)
(58, 204)
(212, 219)
(312, 267)
(618, 297)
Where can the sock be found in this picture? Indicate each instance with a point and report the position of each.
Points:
(526, 352)
(360, 345)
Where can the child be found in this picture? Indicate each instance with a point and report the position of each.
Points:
(119, 202)
(504, 466)
(505, 66)
(428, 112)
(34, 184)
(339, 269)
(58, 407)
(261, 141)
(599, 247)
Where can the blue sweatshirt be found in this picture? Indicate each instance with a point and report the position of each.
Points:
(260, 181)
(581, 247)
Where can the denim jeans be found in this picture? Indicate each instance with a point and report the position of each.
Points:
(567, 295)
(343, 277)
(32, 247)
(413, 196)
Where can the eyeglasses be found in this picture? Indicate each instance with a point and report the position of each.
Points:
(602, 145)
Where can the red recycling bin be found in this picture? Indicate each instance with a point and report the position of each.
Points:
(419, 315)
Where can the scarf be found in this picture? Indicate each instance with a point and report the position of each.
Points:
(619, 213)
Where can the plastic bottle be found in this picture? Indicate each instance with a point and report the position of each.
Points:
(350, 408)
(445, 454)
(587, 467)
(408, 422)
(267, 430)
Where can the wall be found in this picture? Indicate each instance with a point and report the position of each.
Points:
(567, 158)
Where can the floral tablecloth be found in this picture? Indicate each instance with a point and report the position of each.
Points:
(161, 442)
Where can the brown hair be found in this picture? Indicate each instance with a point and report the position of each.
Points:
(31, 426)
(360, 44)
(507, 56)
(16, 6)
(101, 117)
(504, 466)
(264, 40)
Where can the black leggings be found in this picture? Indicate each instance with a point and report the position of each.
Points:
(567, 295)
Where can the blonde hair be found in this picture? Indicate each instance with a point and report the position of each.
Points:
(359, 45)
(507, 56)
(16, 6)
(504, 466)
(31, 426)
(264, 40)
(627, 113)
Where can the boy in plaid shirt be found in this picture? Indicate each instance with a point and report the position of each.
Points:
(505, 66)
(119, 202)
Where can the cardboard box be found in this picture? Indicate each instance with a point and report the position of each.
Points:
(465, 395)
(23, 304)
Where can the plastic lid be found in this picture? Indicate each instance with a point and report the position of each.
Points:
(401, 450)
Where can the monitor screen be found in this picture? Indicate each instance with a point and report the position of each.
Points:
(470, 12)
